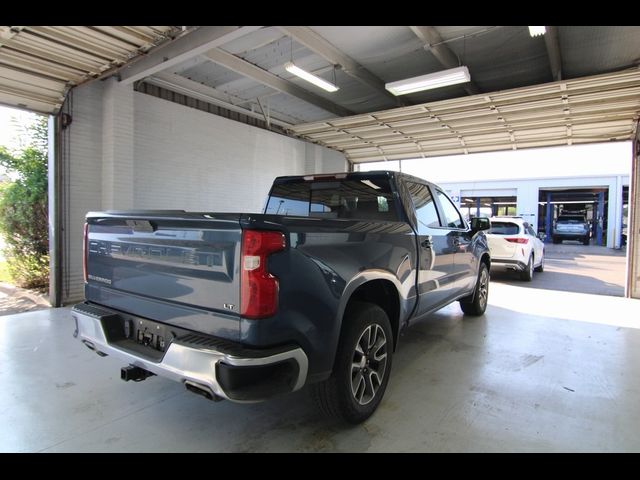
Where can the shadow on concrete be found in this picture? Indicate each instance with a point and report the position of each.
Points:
(565, 282)
(578, 250)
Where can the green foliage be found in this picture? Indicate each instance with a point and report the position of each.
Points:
(5, 276)
(23, 210)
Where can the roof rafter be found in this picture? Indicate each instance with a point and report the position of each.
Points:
(318, 44)
(267, 78)
(181, 49)
(434, 43)
(183, 85)
(553, 50)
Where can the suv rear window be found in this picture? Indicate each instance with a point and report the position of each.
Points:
(504, 228)
(571, 219)
(369, 199)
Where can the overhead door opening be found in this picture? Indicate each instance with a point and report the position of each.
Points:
(574, 201)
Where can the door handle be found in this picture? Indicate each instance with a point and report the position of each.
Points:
(426, 243)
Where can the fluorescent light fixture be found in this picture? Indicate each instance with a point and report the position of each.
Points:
(431, 80)
(535, 31)
(310, 77)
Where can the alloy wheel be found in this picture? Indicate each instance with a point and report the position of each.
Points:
(369, 364)
(483, 288)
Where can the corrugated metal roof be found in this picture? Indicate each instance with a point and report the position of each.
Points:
(591, 109)
(498, 57)
(39, 64)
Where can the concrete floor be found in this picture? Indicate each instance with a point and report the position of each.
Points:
(538, 372)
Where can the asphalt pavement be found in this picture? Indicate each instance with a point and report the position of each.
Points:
(573, 267)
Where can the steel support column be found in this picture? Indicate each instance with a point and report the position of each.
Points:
(547, 219)
(55, 211)
(600, 218)
(633, 232)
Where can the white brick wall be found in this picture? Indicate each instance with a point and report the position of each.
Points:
(117, 146)
(192, 160)
(132, 150)
(83, 142)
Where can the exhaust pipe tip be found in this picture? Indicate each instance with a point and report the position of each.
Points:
(202, 390)
(93, 348)
(134, 373)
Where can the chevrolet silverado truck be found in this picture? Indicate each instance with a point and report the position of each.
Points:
(314, 291)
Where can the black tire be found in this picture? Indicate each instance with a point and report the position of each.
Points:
(527, 273)
(556, 240)
(540, 268)
(585, 241)
(476, 304)
(335, 396)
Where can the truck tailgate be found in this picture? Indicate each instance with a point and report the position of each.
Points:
(182, 260)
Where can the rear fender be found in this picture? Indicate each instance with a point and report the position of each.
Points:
(406, 304)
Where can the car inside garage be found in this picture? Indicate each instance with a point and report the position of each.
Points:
(203, 119)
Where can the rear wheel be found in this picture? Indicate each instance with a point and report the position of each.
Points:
(476, 304)
(585, 241)
(362, 366)
(527, 273)
(556, 240)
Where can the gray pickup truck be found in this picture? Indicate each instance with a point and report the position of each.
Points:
(314, 291)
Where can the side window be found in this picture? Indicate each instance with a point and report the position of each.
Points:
(451, 214)
(426, 213)
(530, 231)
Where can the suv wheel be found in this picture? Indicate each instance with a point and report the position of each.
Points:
(527, 273)
(362, 366)
(540, 268)
(476, 303)
(585, 241)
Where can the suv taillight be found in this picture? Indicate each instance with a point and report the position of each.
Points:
(259, 289)
(84, 251)
(518, 240)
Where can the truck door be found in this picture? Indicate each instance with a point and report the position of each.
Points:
(435, 251)
(465, 265)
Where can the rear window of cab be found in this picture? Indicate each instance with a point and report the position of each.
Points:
(370, 199)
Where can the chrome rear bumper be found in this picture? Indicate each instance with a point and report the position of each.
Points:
(190, 359)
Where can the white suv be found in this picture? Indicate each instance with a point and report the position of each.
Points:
(515, 246)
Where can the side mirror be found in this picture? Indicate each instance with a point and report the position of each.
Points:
(480, 223)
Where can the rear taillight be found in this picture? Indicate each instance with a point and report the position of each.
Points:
(84, 251)
(259, 289)
(517, 240)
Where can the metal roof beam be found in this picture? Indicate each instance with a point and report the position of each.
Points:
(434, 43)
(318, 44)
(250, 70)
(553, 50)
(181, 49)
(183, 85)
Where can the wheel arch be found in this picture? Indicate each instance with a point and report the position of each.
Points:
(382, 289)
(486, 259)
